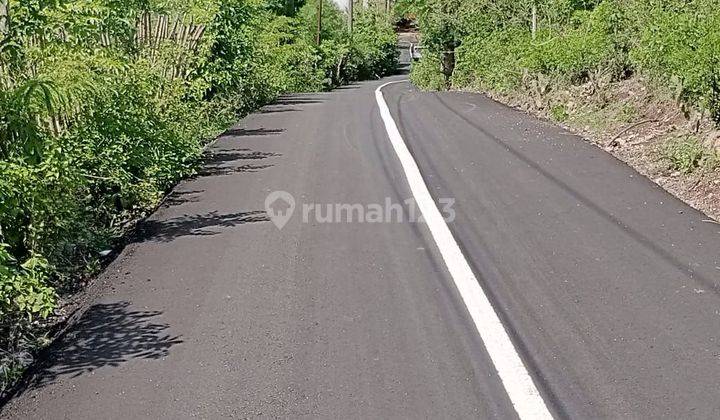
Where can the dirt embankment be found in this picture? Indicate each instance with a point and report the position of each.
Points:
(676, 147)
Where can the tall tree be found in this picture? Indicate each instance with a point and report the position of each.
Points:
(4, 16)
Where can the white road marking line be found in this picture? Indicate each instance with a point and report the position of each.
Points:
(521, 389)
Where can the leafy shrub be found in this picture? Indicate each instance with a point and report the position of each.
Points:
(493, 61)
(23, 293)
(373, 47)
(369, 52)
(24, 297)
(680, 46)
(688, 154)
(588, 46)
(426, 73)
(559, 113)
(676, 43)
(497, 56)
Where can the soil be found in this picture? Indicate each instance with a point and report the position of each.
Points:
(634, 123)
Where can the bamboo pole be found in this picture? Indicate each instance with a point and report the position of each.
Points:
(197, 36)
(318, 39)
(350, 16)
(173, 32)
(148, 28)
(4, 17)
(158, 28)
(534, 21)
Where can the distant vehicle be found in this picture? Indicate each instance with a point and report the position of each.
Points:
(415, 52)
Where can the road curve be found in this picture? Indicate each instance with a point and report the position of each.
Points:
(606, 285)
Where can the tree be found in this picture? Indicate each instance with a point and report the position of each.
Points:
(4, 16)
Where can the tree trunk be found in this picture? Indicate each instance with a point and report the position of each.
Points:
(350, 16)
(534, 21)
(448, 62)
(4, 17)
(319, 22)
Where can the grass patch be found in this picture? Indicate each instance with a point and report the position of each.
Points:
(591, 118)
(627, 113)
(559, 113)
(607, 118)
(687, 154)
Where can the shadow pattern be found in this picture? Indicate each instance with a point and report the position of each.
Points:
(229, 170)
(246, 132)
(194, 225)
(224, 156)
(274, 109)
(298, 100)
(218, 163)
(177, 198)
(107, 334)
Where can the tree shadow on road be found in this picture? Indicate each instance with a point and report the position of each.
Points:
(107, 334)
(219, 163)
(178, 198)
(299, 99)
(194, 225)
(229, 170)
(216, 163)
(224, 156)
(275, 109)
(291, 103)
(240, 132)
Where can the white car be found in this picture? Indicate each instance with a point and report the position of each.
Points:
(415, 52)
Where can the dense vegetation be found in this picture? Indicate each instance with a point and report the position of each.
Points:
(105, 104)
(672, 43)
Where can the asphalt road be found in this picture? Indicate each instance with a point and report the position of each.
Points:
(607, 285)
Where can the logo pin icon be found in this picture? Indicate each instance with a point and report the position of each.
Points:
(280, 205)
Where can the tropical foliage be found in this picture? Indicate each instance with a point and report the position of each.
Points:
(673, 43)
(105, 104)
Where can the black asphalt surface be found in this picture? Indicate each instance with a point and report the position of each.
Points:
(607, 284)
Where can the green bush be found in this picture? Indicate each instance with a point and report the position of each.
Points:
(369, 52)
(589, 45)
(688, 154)
(496, 56)
(559, 113)
(373, 48)
(426, 73)
(492, 62)
(24, 298)
(680, 46)
(676, 43)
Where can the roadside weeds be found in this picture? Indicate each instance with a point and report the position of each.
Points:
(677, 148)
